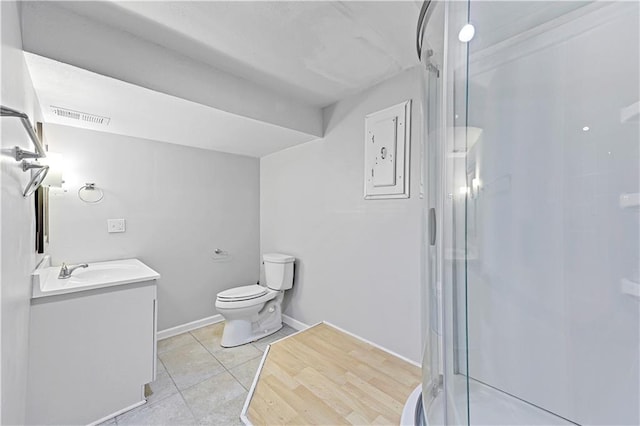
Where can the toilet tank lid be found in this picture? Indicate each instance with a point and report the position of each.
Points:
(277, 258)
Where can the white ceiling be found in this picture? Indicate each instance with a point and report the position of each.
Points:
(139, 112)
(316, 51)
(311, 52)
(288, 59)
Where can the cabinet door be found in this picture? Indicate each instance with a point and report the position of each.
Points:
(91, 353)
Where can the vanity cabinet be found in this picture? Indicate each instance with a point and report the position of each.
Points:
(91, 353)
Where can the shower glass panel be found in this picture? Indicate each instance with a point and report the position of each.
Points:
(431, 65)
(455, 254)
(431, 368)
(537, 194)
(445, 389)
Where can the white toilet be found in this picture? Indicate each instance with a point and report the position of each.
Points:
(254, 311)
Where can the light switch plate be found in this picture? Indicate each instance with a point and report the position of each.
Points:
(115, 225)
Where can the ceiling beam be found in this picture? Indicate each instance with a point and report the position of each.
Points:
(57, 33)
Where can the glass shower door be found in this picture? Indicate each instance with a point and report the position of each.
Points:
(533, 173)
(445, 388)
(550, 220)
(431, 60)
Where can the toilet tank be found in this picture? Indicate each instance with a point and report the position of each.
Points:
(278, 270)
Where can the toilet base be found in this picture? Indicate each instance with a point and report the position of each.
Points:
(240, 331)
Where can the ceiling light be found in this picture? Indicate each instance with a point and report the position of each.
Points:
(585, 129)
(466, 33)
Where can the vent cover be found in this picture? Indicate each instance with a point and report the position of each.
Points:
(80, 116)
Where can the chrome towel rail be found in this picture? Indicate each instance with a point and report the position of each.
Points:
(19, 153)
(37, 177)
(38, 171)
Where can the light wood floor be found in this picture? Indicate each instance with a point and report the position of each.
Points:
(323, 376)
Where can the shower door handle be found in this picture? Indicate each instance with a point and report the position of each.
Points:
(432, 226)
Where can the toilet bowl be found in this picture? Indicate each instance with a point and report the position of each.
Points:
(254, 311)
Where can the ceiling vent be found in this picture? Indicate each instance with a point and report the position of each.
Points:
(80, 116)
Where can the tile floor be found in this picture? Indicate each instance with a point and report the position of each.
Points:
(198, 382)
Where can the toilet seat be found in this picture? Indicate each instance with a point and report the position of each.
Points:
(245, 296)
(246, 292)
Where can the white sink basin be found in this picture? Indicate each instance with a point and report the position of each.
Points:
(96, 275)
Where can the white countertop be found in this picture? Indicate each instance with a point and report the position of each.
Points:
(96, 275)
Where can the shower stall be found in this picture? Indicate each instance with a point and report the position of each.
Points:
(532, 222)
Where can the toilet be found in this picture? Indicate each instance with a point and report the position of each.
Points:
(254, 311)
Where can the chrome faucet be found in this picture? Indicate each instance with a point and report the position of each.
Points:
(65, 271)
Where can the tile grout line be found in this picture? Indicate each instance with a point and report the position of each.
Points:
(212, 354)
(228, 370)
(246, 362)
(172, 380)
(147, 403)
(190, 386)
(180, 391)
(188, 406)
(224, 366)
(217, 374)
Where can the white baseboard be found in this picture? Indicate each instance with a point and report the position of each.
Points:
(382, 348)
(294, 323)
(299, 326)
(183, 328)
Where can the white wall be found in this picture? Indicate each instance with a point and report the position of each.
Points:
(180, 204)
(358, 262)
(547, 320)
(17, 218)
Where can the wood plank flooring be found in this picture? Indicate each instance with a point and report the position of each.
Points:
(323, 376)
